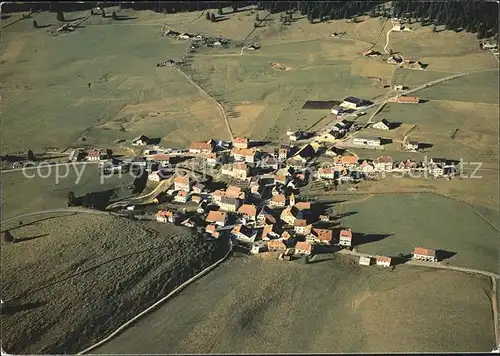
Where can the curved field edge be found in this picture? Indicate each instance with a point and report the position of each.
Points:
(67, 288)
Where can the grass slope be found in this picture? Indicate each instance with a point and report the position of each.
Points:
(257, 306)
(74, 279)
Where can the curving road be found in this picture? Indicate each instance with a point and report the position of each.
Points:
(161, 301)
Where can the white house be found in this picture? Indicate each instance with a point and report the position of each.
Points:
(383, 163)
(352, 103)
(383, 261)
(410, 145)
(382, 125)
(141, 140)
(367, 141)
(258, 247)
(345, 238)
(424, 254)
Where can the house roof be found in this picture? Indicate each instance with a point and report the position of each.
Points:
(248, 209)
(300, 222)
(240, 140)
(141, 137)
(242, 229)
(279, 198)
(353, 100)
(182, 193)
(413, 142)
(326, 170)
(243, 152)
(182, 180)
(214, 216)
(280, 177)
(164, 213)
(323, 234)
(159, 157)
(385, 122)
(408, 99)
(276, 243)
(231, 201)
(304, 246)
(346, 233)
(285, 235)
(383, 259)
(240, 166)
(197, 145)
(383, 159)
(424, 251)
(303, 205)
(266, 230)
(94, 153)
(346, 159)
(368, 138)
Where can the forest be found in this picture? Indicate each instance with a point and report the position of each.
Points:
(473, 16)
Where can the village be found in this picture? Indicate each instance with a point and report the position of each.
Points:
(255, 193)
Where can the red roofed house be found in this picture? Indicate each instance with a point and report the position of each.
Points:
(212, 230)
(243, 233)
(182, 183)
(424, 254)
(243, 154)
(282, 154)
(345, 238)
(326, 173)
(383, 163)
(94, 155)
(181, 197)
(248, 211)
(217, 217)
(240, 170)
(383, 261)
(304, 248)
(408, 100)
(303, 205)
(276, 245)
(241, 142)
(346, 161)
(278, 200)
(322, 235)
(301, 227)
(268, 233)
(165, 216)
(200, 147)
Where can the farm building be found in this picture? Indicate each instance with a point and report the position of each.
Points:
(383, 261)
(141, 141)
(410, 145)
(367, 141)
(229, 204)
(382, 125)
(424, 254)
(321, 235)
(94, 155)
(365, 261)
(243, 154)
(346, 161)
(240, 170)
(408, 100)
(337, 110)
(200, 147)
(352, 102)
(243, 233)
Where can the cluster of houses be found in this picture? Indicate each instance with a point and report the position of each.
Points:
(419, 254)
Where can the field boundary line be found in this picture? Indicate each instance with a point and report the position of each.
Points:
(162, 300)
(221, 108)
(494, 302)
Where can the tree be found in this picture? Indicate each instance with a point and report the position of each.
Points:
(434, 29)
(235, 7)
(35, 24)
(481, 33)
(60, 16)
(7, 236)
(257, 17)
(207, 16)
(103, 13)
(109, 153)
(114, 15)
(372, 12)
(212, 17)
(255, 25)
(219, 11)
(31, 156)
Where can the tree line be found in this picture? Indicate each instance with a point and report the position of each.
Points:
(474, 16)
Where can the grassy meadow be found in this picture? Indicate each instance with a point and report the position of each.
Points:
(425, 220)
(252, 305)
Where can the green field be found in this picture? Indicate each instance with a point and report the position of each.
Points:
(255, 306)
(477, 87)
(69, 281)
(429, 221)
